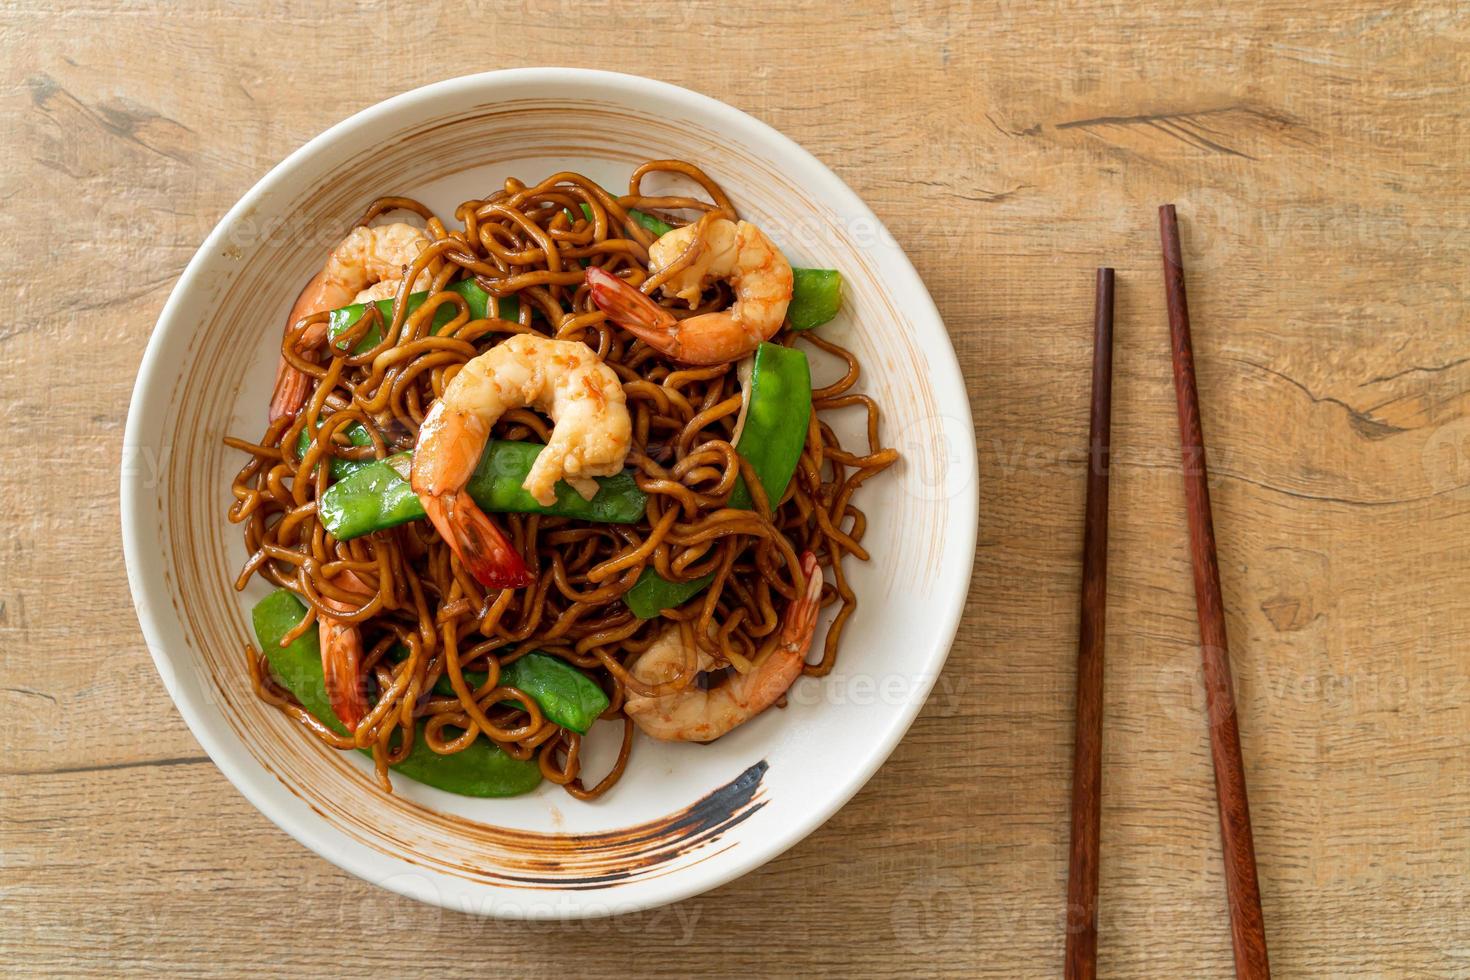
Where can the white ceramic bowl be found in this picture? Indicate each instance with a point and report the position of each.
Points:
(686, 817)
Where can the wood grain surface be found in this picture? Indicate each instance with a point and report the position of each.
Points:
(1318, 155)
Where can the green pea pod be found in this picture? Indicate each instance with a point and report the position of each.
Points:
(776, 417)
(816, 295)
(480, 770)
(653, 593)
(378, 495)
(476, 298)
(566, 695)
(654, 225)
(779, 408)
(341, 468)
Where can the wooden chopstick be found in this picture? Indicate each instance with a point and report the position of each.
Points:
(1081, 955)
(1247, 926)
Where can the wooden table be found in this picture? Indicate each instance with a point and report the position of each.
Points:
(1317, 153)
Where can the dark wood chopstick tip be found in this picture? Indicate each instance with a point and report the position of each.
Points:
(1169, 238)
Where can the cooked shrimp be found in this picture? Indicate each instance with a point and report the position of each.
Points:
(738, 252)
(694, 715)
(368, 265)
(590, 437)
(341, 650)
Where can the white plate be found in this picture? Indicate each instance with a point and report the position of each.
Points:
(686, 817)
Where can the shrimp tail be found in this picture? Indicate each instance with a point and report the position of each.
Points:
(633, 311)
(290, 392)
(801, 618)
(784, 665)
(480, 545)
(341, 647)
(292, 385)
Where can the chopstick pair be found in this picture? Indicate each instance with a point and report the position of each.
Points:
(1247, 926)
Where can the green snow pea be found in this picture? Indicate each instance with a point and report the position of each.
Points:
(566, 695)
(816, 295)
(341, 468)
(378, 495)
(480, 770)
(775, 421)
(476, 298)
(653, 593)
(654, 225)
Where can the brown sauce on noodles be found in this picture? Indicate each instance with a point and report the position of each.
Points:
(520, 241)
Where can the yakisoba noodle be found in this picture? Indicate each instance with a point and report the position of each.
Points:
(531, 243)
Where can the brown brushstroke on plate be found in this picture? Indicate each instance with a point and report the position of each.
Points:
(643, 846)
